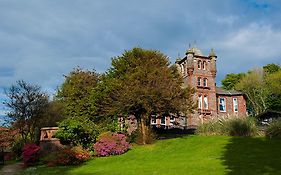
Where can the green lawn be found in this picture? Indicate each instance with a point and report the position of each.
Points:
(188, 155)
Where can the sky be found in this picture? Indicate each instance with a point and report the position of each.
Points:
(40, 41)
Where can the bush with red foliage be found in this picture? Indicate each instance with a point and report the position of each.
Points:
(111, 144)
(68, 156)
(30, 154)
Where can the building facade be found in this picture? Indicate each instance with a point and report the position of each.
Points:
(199, 72)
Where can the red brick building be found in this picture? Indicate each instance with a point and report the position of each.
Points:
(199, 71)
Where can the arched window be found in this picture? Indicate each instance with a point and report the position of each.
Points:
(199, 64)
(204, 65)
(199, 81)
(205, 81)
(200, 102)
(205, 102)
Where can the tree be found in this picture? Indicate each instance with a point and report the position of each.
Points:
(75, 93)
(77, 132)
(271, 68)
(231, 80)
(254, 87)
(273, 85)
(142, 83)
(27, 104)
(52, 114)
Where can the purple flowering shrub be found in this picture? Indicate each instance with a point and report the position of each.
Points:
(111, 144)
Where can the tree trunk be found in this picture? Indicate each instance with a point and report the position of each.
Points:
(143, 129)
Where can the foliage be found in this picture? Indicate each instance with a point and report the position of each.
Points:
(77, 132)
(53, 114)
(30, 154)
(261, 86)
(241, 127)
(111, 144)
(231, 127)
(274, 129)
(141, 82)
(26, 103)
(273, 82)
(75, 93)
(271, 68)
(17, 147)
(68, 156)
(7, 137)
(231, 80)
(253, 85)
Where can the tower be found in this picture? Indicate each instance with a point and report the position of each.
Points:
(199, 72)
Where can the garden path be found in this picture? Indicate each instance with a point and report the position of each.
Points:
(11, 169)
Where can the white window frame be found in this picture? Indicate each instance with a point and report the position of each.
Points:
(205, 82)
(200, 102)
(172, 121)
(235, 104)
(199, 64)
(205, 102)
(153, 117)
(223, 104)
(199, 79)
(204, 65)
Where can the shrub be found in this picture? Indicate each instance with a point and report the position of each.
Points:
(274, 129)
(231, 126)
(68, 156)
(30, 154)
(210, 128)
(241, 127)
(77, 132)
(111, 144)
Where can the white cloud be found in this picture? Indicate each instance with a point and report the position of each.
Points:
(253, 42)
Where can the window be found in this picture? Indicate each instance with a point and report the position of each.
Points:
(199, 64)
(222, 104)
(205, 102)
(199, 81)
(204, 65)
(163, 120)
(153, 119)
(172, 120)
(182, 69)
(235, 105)
(200, 101)
(205, 82)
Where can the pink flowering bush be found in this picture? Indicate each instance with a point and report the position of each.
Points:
(68, 156)
(111, 144)
(30, 154)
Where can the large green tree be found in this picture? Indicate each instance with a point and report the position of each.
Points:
(254, 87)
(75, 93)
(231, 80)
(273, 85)
(27, 104)
(142, 82)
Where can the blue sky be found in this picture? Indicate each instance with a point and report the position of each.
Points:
(43, 40)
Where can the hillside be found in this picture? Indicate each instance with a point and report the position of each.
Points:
(187, 155)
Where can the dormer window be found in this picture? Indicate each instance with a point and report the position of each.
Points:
(204, 65)
(199, 64)
(198, 81)
(205, 82)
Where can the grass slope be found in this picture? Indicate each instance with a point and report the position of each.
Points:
(188, 155)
